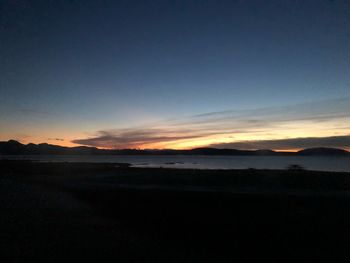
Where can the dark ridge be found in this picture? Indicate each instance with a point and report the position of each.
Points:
(13, 147)
(323, 151)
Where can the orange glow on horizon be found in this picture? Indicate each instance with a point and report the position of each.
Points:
(279, 131)
(160, 146)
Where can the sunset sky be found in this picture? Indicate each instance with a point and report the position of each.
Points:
(176, 74)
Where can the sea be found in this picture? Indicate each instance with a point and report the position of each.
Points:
(317, 163)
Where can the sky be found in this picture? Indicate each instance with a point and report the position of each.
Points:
(176, 74)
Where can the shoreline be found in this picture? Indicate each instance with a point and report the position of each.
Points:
(93, 212)
(311, 163)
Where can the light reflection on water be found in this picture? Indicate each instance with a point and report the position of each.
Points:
(321, 163)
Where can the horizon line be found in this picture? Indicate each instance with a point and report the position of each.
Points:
(169, 149)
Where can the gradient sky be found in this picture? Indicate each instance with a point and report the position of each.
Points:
(176, 74)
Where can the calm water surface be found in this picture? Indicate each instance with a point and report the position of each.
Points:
(203, 162)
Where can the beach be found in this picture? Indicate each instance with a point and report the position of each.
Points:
(106, 211)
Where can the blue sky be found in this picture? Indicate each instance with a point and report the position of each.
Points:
(70, 69)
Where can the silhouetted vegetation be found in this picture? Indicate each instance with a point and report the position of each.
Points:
(295, 167)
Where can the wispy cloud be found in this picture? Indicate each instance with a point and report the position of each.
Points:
(237, 128)
(135, 138)
(287, 144)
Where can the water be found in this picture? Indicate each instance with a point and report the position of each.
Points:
(320, 163)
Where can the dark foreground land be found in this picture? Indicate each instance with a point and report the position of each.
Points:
(107, 212)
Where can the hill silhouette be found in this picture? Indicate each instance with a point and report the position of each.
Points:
(13, 147)
(323, 151)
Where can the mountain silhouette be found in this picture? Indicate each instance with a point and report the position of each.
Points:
(13, 147)
(323, 151)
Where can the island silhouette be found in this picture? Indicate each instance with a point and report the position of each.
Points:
(13, 147)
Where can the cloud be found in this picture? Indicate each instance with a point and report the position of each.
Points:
(255, 128)
(315, 111)
(133, 138)
(288, 144)
(55, 139)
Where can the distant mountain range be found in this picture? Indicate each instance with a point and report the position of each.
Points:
(13, 147)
